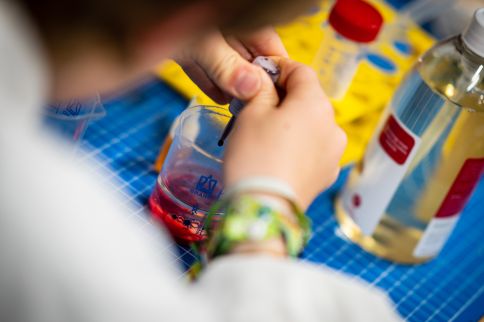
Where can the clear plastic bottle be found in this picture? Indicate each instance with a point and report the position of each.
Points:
(351, 25)
(403, 200)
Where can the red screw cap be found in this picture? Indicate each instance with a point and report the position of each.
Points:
(356, 20)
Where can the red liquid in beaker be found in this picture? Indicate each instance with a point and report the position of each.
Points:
(182, 204)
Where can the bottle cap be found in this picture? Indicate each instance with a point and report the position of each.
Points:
(356, 20)
(473, 36)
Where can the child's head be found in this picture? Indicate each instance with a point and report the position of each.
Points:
(92, 39)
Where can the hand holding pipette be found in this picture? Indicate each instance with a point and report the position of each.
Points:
(291, 137)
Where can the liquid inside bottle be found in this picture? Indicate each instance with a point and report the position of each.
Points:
(403, 200)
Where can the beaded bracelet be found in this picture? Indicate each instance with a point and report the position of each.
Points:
(249, 218)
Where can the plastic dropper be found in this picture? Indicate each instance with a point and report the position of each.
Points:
(236, 105)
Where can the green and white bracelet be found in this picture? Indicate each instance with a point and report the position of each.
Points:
(250, 218)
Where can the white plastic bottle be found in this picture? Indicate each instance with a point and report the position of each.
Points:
(352, 24)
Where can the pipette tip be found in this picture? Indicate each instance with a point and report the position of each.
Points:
(227, 130)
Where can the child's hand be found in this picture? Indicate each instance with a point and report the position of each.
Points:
(221, 66)
(295, 140)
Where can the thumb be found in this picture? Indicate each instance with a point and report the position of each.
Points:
(267, 97)
(226, 68)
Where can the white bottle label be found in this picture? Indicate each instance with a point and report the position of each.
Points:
(369, 192)
(435, 236)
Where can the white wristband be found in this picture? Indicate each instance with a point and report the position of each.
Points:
(262, 184)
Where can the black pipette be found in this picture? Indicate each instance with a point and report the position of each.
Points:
(236, 105)
(227, 130)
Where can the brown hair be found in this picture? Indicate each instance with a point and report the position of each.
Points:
(114, 21)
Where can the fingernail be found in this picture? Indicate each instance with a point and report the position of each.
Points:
(247, 84)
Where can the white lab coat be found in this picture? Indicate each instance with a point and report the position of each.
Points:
(69, 250)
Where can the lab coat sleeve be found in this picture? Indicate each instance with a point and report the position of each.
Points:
(262, 288)
(73, 249)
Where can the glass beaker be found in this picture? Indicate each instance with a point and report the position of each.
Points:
(191, 178)
(71, 119)
(160, 159)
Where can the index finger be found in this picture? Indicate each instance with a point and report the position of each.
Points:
(264, 42)
(299, 81)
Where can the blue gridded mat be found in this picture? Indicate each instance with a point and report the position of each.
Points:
(449, 288)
